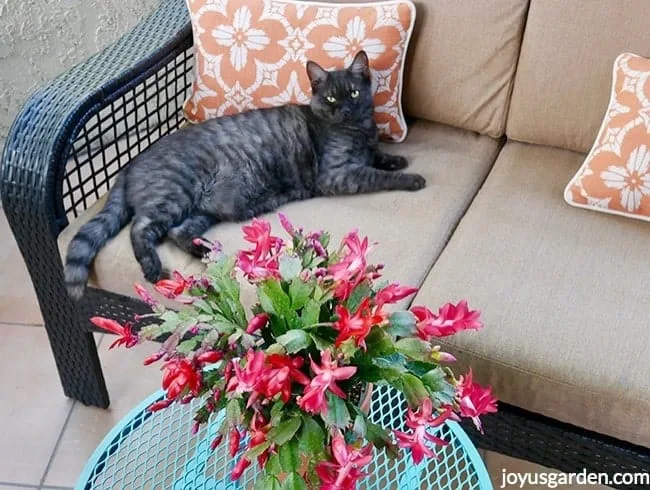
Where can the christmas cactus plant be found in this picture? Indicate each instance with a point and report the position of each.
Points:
(287, 374)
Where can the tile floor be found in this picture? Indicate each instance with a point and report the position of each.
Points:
(50, 437)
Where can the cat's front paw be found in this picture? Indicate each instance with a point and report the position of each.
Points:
(414, 182)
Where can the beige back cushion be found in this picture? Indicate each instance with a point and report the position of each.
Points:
(564, 74)
(462, 60)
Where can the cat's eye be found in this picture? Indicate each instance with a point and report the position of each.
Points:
(354, 94)
(331, 99)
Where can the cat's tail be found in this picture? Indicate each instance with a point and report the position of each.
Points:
(93, 236)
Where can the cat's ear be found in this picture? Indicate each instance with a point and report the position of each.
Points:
(317, 75)
(360, 65)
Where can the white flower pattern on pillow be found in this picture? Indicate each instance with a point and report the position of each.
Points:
(633, 180)
(354, 41)
(240, 37)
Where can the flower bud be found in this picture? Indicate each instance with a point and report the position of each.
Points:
(239, 469)
(257, 322)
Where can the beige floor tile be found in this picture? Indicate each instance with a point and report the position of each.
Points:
(18, 302)
(12, 487)
(33, 408)
(128, 384)
(496, 464)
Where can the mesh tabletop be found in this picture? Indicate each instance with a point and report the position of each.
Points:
(157, 451)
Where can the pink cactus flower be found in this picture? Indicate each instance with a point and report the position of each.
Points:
(344, 471)
(280, 373)
(420, 440)
(358, 325)
(450, 319)
(327, 374)
(393, 293)
(247, 379)
(474, 399)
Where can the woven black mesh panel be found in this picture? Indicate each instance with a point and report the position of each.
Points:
(121, 130)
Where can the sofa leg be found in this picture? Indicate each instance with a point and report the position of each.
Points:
(77, 362)
(71, 340)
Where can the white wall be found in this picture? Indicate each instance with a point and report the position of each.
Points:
(39, 39)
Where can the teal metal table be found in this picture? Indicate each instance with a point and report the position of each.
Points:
(157, 451)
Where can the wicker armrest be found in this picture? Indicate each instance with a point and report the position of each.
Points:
(67, 144)
(42, 138)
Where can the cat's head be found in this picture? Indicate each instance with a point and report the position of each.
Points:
(340, 96)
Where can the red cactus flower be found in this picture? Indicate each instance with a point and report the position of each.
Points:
(208, 357)
(450, 319)
(153, 358)
(171, 288)
(419, 441)
(257, 322)
(281, 372)
(159, 405)
(180, 378)
(126, 336)
(239, 468)
(351, 269)
(248, 379)
(216, 442)
(259, 234)
(344, 471)
(287, 225)
(145, 295)
(393, 293)
(258, 269)
(327, 374)
(474, 399)
(261, 262)
(258, 429)
(233, 441)
(357, 326)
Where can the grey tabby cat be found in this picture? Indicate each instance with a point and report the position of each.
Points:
(237, 167)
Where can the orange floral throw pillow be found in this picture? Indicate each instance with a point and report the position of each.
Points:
(615, 177)
(252, 54)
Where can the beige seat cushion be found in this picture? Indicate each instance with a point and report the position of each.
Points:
(461, 62)
(564, 294)
(412, 228)
(564, 75)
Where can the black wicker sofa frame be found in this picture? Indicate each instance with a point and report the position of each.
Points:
(71, 139)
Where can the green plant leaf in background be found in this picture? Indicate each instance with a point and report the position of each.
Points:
(337, 412)
(290, 457)
(416, 349)
(294, 482)
(437, 381)
(381, 439)
(321, 343)
(361, 292)
(233, 412)
(295, 340)
(401, 324)
(311, 313)
(359, 426)
(379, 343)
(268, 482)
(284, 431)
(312, 436)
(300, 292)
(273, 466)
(272, 298)
(290, 267)
(256, 451)
(414, 390)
